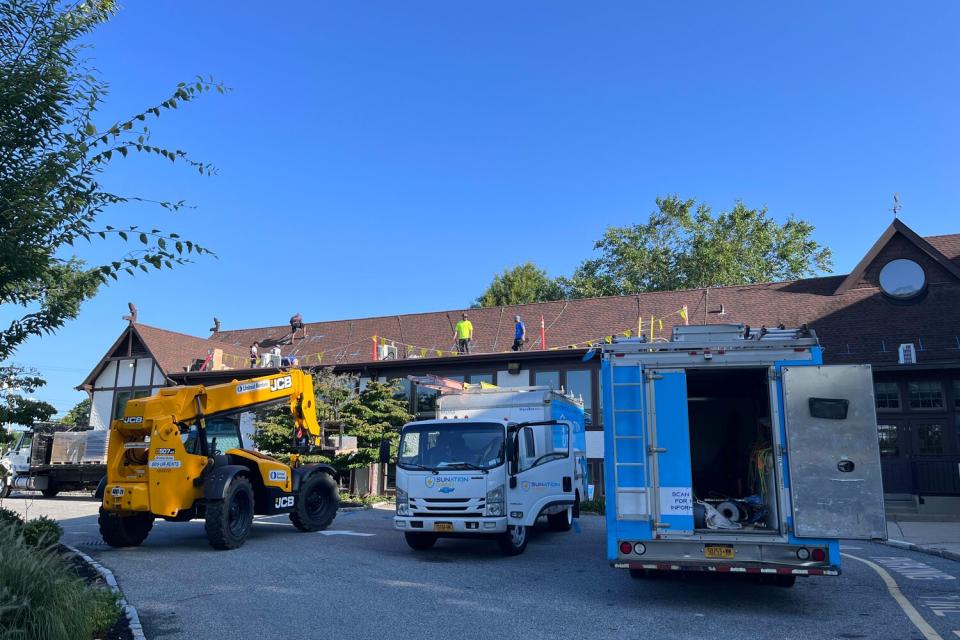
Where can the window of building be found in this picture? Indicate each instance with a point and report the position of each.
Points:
(926, 394)
(886, 395)
(580, 384)
(120, 401)
(902, 279)
(477, 378)
(547, 379)
(930, 439)
(889, 437)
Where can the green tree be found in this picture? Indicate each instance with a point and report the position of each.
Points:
(79, 414)
(522, 284)
(52, 154)
(17, 384)
(685, 246)
(376, 415)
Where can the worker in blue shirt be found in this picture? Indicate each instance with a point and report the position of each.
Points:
(519, 334)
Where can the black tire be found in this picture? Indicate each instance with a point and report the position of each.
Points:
(514, 541)
(420, 541)
(119, 530)
(562, 521)
(784, 580)
(229, 520)
(317, 503)
(4, 486)
(51, 491)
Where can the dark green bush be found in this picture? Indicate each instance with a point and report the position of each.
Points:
(9, 516)
(42, 532)
(40, 597)
(593, 506)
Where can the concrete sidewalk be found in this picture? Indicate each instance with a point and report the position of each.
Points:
(938, 538)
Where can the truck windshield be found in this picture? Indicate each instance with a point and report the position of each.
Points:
(450, 446)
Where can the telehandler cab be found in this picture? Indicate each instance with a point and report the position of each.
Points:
(176, 456)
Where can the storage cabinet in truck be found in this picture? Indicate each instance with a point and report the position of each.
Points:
(492, 462)
(736, 450)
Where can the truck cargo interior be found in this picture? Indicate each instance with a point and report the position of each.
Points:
(731, 453)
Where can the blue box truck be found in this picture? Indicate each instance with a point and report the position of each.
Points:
(735, 450)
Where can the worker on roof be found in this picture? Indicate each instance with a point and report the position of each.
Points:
(254, 354)
(296, 323)
(519, 333)
(463, 333)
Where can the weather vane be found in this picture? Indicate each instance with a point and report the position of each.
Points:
(896, 205)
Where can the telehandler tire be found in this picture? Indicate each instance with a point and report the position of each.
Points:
(229, 520)
(317, 503)
(420, 541)
(124, 531)
(51, 491)
(562, 521)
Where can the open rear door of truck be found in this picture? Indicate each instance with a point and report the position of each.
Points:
(669, 434)
(834, 459)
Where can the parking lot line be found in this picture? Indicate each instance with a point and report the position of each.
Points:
(929, 633)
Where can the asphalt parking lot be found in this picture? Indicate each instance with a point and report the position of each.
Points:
(360, 580)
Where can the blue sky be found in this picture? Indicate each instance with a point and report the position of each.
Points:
(384, 157)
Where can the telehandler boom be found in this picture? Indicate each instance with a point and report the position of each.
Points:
(176, 455)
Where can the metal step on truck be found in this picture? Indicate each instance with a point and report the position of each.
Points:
(492, 462)
(729, 449)
(51, 457)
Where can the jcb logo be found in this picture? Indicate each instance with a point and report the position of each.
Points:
(279, 384)
(133, 420)
(284, 501)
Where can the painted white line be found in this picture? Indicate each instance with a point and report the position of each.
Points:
(845, 547)
(922, 625)
(957, 633)
(347, 533)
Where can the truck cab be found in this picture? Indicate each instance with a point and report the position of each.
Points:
(476, 471)
(736, 450)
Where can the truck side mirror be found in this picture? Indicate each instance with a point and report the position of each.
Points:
(384, 451)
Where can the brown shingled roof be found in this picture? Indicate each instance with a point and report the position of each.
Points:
(173, 351)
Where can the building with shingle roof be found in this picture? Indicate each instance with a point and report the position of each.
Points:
(905, 291)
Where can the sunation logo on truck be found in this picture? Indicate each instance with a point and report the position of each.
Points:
(539, 486)
(444, 484)
(277, 384)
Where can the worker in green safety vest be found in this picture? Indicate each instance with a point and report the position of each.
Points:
(463, 333)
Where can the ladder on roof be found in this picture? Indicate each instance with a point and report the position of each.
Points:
(630, 460)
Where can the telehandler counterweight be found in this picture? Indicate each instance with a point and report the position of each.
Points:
(175, 456)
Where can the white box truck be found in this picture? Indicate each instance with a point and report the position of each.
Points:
(736, 450)
(492, 462)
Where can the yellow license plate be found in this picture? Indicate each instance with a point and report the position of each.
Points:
(444, 526)
(718, 551)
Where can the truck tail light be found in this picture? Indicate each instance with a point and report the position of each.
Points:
(639, 549)
(819, 555)
(626, 547)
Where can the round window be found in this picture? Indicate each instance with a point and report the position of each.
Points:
(902, 279)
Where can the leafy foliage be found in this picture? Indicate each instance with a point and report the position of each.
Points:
(376, 415)
(684, 246)
(42, 532)
(79, 414)
(16, 405)
(522, 284)
(40, 597)
(9, 517)
(52, 153)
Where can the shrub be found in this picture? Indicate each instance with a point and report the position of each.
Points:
(106, 609)
(42, 532)
(593, 506)
(9, 516)
(40, 597)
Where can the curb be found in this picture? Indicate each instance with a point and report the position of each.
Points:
(133, 618)
(930, 551)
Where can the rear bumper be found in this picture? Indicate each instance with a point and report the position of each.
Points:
(731, 568)
(461, 526)
(747, 557)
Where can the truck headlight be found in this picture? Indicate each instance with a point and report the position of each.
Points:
(403, 503)
(494, 504)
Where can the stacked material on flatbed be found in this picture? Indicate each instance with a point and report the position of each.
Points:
(95, 447)
(68, 447)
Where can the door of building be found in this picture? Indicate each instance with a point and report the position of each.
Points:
(896, 451)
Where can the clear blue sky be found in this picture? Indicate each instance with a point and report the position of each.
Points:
(385, 157)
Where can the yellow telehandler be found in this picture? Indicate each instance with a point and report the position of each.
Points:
(177, 455)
